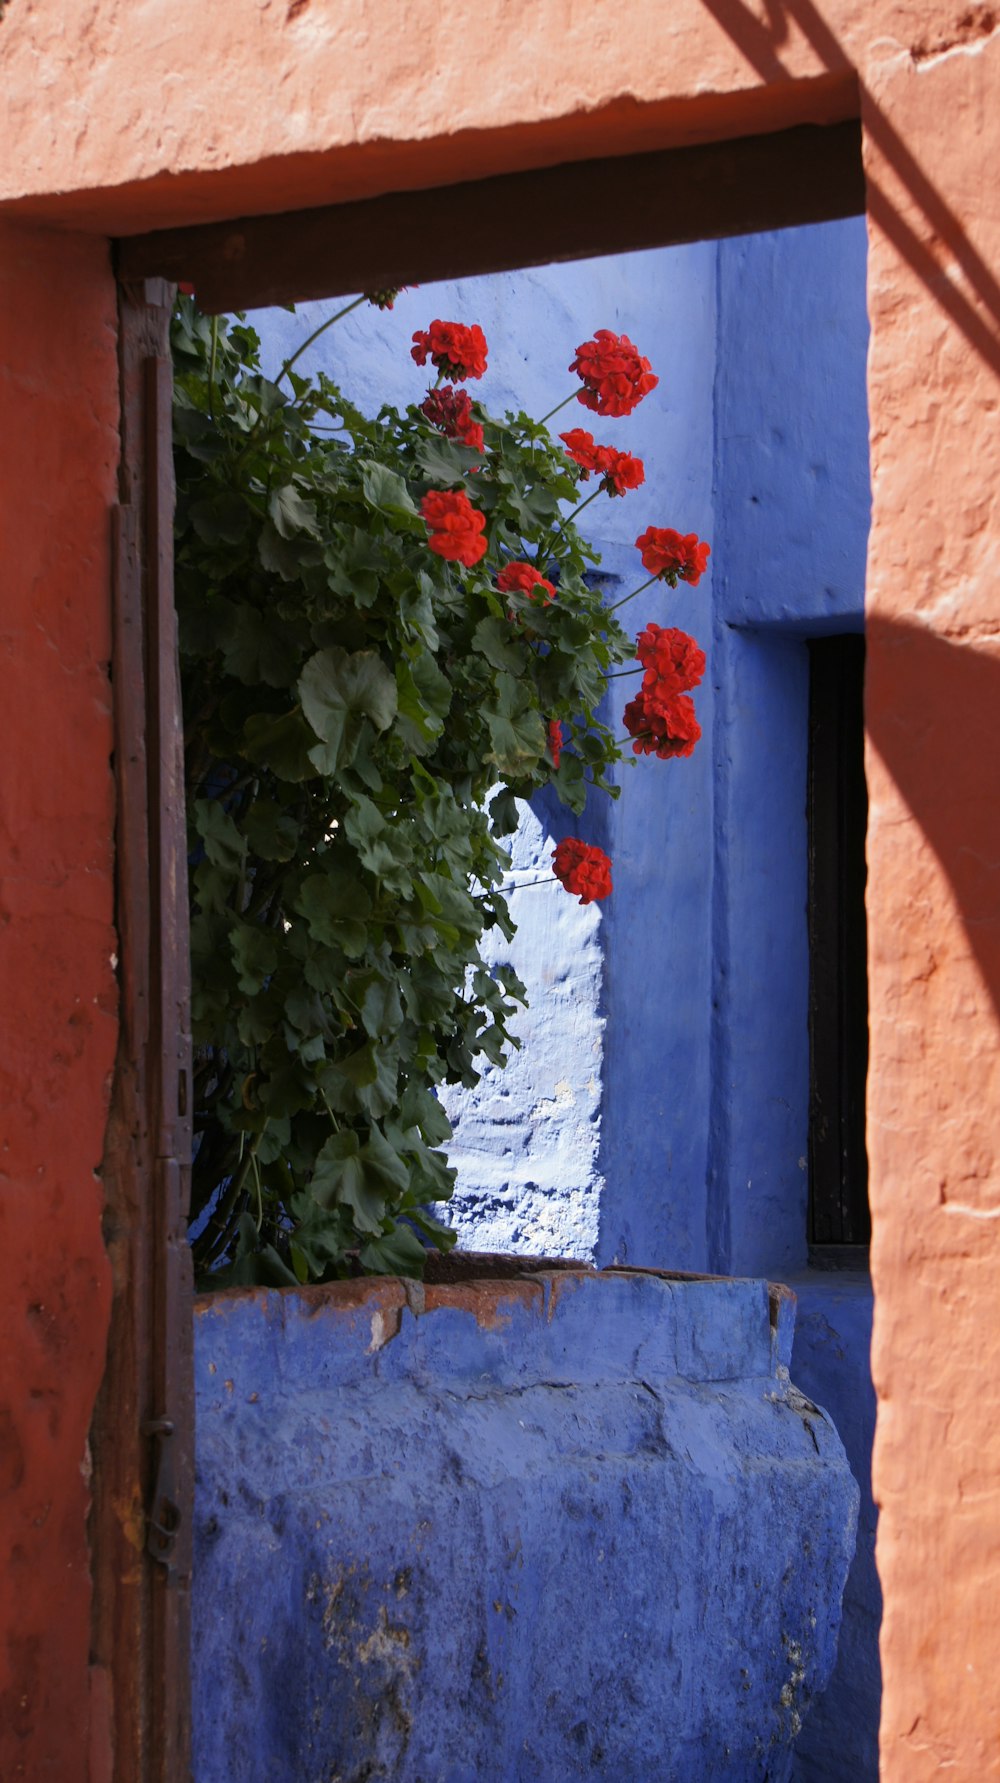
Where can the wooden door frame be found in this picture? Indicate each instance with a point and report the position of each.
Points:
(143, 1433)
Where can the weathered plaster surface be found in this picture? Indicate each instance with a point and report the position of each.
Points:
(187, 109)
(83, 91)
(544, 1528)
(934, 930)
(830, 1362)
(58, 450)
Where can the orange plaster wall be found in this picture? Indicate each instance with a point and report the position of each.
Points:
(58, 453)
(933, 147)
(131, 117)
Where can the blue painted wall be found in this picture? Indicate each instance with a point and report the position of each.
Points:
(575, 1525)
(658, 1112)
(548, 1161)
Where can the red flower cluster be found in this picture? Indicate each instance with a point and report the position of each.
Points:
(662, 727)
(455, 526)
(674, 662)
(523, 578)
(614, 374)
(582, 868)
(384, 300)
(451, 411)
(555, 734)
(673, 557)
(618, 471)
(457, 351)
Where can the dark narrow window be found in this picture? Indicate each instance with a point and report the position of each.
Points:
(839, 1222)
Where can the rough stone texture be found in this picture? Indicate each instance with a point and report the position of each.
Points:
(218, 111)
(58, 453)
(561, 1526)
(126, 116)
(830, 1362)
(933, 709)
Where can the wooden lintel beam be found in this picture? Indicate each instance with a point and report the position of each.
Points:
(809, 174)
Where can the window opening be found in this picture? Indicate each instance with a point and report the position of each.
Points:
(837, 802)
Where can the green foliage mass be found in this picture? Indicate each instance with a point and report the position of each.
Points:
(352, 703)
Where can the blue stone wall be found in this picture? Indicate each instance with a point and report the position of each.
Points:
(658, 1111)
(574, 1525)
(548, 1161)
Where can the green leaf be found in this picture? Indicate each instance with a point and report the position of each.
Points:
(258, 648)
(225, 847)
(336, 907)
(223, 518)
(281, 744)
(386, 491)
(256, 953)
(495, 640)
(447, 461)
(272, 833)
(336, 688)
(399, 1252)
(290, 514)
(424, 697)
(516, 728)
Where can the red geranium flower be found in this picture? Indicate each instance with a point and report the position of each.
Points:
(523, 578)
(582, 868)
(451, 411)
(457, 351)
(621, 471)
(455, 526)
(618, 471)
(384, 300)
(662, 727)
(673, 557)
(615, 375)
(583, 449)
(674, 662)
(555, 740)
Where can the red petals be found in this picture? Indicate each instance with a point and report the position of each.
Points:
(523, 578)
(674, 662)
(615, 375)
(582, 869)
(457, 351)
(673, 556)
(384, 300)
(451, 411)
(664, 727)
(583, 449)
(555, 736)
(455, 526)
(618, 471)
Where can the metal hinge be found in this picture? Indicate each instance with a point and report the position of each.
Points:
(164, 1517)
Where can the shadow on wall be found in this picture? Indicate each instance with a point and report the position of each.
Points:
(943, 757)
(944, 255)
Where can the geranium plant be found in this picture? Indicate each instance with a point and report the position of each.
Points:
(387, 638)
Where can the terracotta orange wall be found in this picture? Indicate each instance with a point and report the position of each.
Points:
(934, 899)
(58, 451)
(128, 118)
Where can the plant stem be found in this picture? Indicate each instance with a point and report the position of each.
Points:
(619, 674)
(348, 307)
(635, 591)
(211, 366)
(559, 405)
(526, 884)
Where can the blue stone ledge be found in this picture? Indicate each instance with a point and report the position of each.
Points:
(571, 1524)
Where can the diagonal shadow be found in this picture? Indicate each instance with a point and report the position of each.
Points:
(759, 41)
(943, 755)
